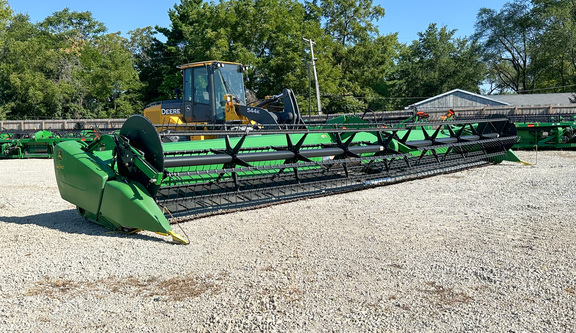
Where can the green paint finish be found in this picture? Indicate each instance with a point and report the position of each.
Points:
(129, 204)
(43, 135)
(510, 156)
(81, 177)
(280, 140)
(87, 181)
(250, 141)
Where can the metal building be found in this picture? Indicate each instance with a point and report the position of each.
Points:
(456, 98)
(459, 98)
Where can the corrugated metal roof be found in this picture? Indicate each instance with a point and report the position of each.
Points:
(535, 99)
(495, 100)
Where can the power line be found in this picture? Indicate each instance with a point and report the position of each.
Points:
(377, 97)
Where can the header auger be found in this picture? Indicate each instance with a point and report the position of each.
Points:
(132, 180)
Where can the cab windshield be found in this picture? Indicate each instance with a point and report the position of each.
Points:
(228, 81)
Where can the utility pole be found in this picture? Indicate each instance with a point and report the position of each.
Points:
(309, 90)
(311, 42)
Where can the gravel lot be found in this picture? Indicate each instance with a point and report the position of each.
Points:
(484, 250)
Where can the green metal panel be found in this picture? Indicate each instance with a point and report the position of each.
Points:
(80, 176)
(130, 205)
(250, 141)
(87, 180)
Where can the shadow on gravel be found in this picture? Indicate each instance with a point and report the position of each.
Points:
(70, 222)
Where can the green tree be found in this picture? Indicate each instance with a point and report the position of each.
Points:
(265, 35)
(5, 16)
(555, 48)
(112, 82)
(367, 68)
(348, 22)
(268, 36)
(69, 23)
(149, 62)
(359, 58)
(94, 69)
(66, 67)
(510, 38)
(438, 62)
(24, 91)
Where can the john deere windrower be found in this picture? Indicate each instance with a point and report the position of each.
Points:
(131, 180)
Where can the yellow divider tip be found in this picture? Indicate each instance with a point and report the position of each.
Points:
(177, 238)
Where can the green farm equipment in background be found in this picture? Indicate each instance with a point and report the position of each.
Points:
(133, 181)
(546, 131)
(39, 144)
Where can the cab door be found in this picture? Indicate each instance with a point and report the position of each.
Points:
(197, 102)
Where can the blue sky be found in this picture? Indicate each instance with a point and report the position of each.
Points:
(402, 16)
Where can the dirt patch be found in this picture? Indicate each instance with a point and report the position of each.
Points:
(444, 296)
(176, 288)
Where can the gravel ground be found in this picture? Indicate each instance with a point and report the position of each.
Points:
(484, 250)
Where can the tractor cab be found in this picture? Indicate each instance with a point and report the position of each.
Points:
(208, 88)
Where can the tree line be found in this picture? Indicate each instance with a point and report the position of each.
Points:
(69, 66)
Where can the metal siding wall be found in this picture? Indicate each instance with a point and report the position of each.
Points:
(457, 100)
